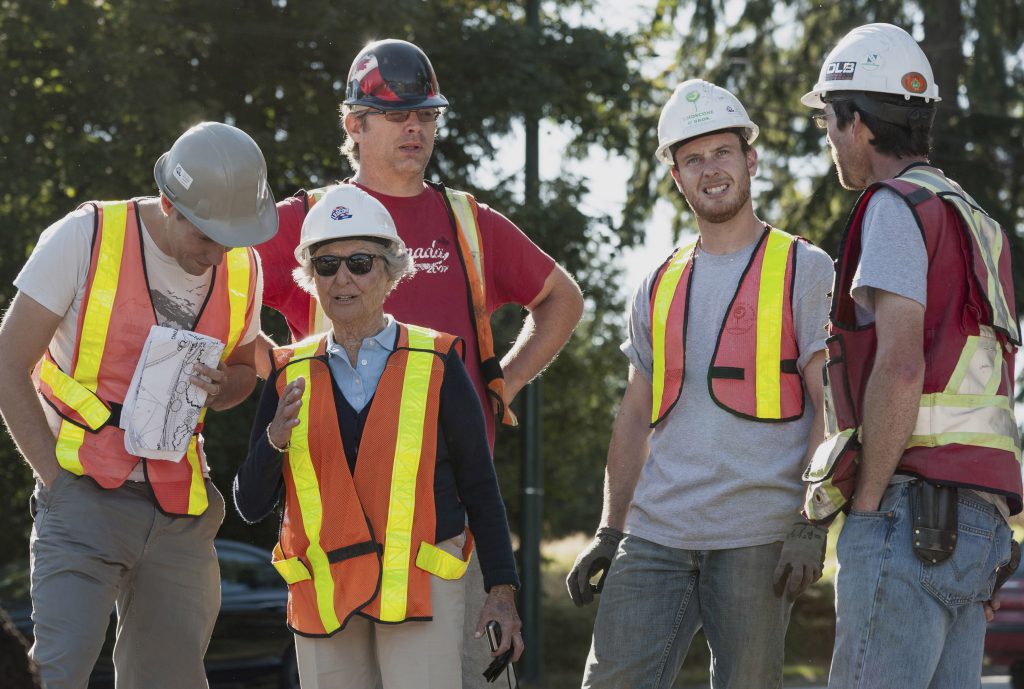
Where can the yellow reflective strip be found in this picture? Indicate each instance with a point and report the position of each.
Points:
(822, 501)
(237, 264)
(988, 240)
(468, 228)
(197, 498)
(307, 490)
(394, 591)
(963, 365)
(941, 399)
(770, 293)
(69, 439)
(659, 320)
(440, 562)
(75, 395)
(291, 570)
(986, 440)
(96, 322)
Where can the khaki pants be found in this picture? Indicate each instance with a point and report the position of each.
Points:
(410, 655)
(92, 549)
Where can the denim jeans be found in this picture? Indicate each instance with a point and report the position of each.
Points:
(904, 624)
(656, 598)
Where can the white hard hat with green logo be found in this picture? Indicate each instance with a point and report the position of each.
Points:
(215, 175)
(698, 107)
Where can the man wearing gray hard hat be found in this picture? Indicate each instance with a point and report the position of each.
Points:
(701, 523)
(113, 528)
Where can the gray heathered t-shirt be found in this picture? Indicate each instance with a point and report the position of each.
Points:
(713, 480)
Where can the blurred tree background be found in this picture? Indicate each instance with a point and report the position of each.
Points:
(96, 90)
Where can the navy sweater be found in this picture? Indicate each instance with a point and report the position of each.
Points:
(464, 478)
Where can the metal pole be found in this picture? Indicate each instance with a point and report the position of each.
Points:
(532, 475)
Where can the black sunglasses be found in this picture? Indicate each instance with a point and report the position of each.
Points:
(427, 115)
(357, 264)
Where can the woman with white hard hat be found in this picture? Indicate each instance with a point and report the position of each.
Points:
(374, 437)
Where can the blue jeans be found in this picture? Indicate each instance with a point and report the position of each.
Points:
(656, 598)
(904, 624)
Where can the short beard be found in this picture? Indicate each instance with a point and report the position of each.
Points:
(719, 215)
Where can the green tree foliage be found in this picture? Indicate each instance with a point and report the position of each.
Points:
(769, 53)
(95, 91)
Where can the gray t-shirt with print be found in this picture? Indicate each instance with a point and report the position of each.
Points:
(714, 480)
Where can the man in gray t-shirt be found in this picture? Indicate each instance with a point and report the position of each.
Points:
(725, 348)
(922, 334)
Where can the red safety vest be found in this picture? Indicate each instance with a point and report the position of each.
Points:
(113, 324)
(753, 372)
(966, 433)
(463, 213)
(364, 543)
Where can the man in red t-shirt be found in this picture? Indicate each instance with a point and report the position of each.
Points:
(390, 110)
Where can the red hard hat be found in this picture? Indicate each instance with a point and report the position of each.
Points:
(393, 75)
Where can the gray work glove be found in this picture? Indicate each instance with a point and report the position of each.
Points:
(596, 558)
(802, 559)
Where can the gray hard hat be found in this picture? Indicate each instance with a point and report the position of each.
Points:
(215, 175)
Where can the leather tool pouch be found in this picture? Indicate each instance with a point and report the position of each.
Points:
(934, 509)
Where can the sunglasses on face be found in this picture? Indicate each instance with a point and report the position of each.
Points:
(357, 264)
(820, 120)
(428, 115)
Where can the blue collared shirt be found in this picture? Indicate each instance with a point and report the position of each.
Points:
(358, 384)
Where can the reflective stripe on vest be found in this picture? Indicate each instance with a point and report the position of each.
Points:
(990, 252)
(95, 323)
(402, 505)
(178, 487)
(668, 352)
(761, 394)
(307, 488)
(469, 243)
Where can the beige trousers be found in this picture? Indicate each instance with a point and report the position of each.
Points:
(410, 655)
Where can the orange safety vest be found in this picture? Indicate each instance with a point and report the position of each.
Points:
(966, 432)
(364, 543)
(753, 374)
(113, 324)
(463, 213)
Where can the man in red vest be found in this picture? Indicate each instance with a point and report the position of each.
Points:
(112, 528)
(701, 522)
(469, 258)
(923, 331)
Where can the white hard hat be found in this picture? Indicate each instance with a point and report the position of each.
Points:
(878, 58)
(215, 176)
(697, 107)
(346, 212)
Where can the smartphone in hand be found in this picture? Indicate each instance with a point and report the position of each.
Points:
(494, 640)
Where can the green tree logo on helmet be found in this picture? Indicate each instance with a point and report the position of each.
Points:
(693, 97)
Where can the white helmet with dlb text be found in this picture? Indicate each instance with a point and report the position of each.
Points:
(695, 108)
(877, 58)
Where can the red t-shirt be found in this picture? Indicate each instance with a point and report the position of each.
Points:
(435, 296)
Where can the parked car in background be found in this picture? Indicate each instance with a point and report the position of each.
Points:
(251, 647)
(1004, 639)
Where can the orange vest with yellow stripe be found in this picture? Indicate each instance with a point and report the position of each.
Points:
(113, 323)
(363, 543)
(462, 211)
(753, 374)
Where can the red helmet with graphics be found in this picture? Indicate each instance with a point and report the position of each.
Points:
(393, 75)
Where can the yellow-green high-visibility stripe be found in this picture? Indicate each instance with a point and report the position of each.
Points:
(307, 490)
(659, 320)
(75, 395)
(237, 262)
(394, 588)
(197, 499)
(769, 325)
(440, 562)
(320, 320)
(988, 241)
(95, 324)
(468, 228)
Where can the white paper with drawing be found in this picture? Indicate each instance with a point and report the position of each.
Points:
(161, 409)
